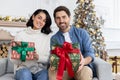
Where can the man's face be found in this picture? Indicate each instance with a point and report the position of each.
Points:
(62, 20)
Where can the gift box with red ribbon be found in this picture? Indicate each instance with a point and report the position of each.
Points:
(22, 50)
(65, 57)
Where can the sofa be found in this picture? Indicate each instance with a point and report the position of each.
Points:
(103, 69)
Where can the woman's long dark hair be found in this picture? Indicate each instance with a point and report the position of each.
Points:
(46, 29)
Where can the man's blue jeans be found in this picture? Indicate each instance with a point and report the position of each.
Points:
(25, 74)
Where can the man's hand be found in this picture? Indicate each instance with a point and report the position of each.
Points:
(82, 62)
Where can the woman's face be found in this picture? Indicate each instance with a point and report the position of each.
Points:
(39, 20)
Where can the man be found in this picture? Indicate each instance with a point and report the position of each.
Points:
(72, 34)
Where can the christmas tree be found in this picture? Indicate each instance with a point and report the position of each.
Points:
(85, 17)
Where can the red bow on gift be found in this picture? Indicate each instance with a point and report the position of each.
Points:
(62, 53)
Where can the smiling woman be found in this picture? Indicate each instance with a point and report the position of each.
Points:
(38, 30)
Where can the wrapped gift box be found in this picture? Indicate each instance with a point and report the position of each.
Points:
(22, 50)
(74, 58)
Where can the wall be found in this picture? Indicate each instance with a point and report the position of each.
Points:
(17, 7)
(27, 7)
(112, 38)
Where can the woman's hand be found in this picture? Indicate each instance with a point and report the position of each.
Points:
(82, 62)
(36, 56)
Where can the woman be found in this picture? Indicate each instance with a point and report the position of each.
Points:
(38, 31)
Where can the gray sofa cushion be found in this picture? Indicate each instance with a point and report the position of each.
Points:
(103, 69)
(95, 78)
(9, 76)
(10, 66)
(3, 63)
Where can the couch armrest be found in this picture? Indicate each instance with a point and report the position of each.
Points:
(3, 63)
(103, 69)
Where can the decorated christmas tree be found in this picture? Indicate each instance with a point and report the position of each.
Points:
(85, 17)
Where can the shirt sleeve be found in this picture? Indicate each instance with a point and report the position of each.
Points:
(87, 45)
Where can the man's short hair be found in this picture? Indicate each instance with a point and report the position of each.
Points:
(61, 8)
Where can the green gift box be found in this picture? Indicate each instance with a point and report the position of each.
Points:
(22, 50)
(74, 58)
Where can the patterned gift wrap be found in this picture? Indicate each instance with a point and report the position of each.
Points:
(74, 58)
(22, 50)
